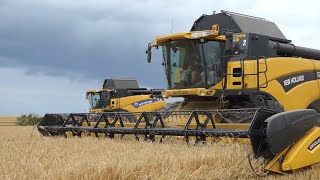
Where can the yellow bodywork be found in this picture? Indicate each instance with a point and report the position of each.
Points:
(126, 104)
(303, 153)
(207, 34)
(275, 68)
(299, 97)
(146, 103)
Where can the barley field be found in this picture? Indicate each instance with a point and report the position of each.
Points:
(27, 155)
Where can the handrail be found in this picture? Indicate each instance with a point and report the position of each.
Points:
(243, 74)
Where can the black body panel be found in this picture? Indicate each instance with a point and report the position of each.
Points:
(237, 23)
(286, 128)
(127, 87)
(290, 50)
(120, 84)
(263, 37)
(224, 21)
(119, 93)
(270, 135)
(249, 46)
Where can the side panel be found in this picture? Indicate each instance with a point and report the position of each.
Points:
(305, 152)
(299, 97)
(139, 103)
(292, 81)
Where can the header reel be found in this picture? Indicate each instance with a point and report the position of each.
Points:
(285, 141)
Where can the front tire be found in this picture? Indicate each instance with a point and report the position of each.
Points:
(315, 105)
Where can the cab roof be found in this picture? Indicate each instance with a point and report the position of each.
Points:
(120, 83)
(238, 23)
(207, 34)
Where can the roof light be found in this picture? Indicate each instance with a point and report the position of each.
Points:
(201, 34)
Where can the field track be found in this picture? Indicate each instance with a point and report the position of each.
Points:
(8, 120)
(27, 155)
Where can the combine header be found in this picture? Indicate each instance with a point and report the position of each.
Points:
(286, 141)
(200, 124)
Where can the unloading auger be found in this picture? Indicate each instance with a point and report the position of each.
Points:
(286, 141)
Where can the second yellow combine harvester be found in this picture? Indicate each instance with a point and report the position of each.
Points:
(124, 95)
(230, 68)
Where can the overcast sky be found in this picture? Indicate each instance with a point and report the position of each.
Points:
(52, 51)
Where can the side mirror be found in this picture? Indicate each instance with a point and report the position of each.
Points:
(229, 40)
(149, 57)
(149, 53)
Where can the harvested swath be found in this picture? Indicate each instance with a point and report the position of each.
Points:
(29, 157)
(8, 120)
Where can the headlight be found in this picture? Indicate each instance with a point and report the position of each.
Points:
(154, 42)
(202, 93)
(163, 94)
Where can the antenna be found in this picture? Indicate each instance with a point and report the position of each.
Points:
(171, 26)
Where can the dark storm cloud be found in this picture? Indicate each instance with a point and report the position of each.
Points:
(87, 39)
(68, 39)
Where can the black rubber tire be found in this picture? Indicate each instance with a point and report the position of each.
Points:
(315, 105)
(275, 106)
(272, 105)
(237, 118)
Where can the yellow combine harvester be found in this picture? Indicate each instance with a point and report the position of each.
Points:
(230, 68)
(234, 61)
(123, 95)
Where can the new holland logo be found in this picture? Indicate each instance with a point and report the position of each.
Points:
(180, 92)
(291, 81)
(144, 102)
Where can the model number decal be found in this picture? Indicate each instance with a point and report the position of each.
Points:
(244, 42)
(180, 93)
(314, 144)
